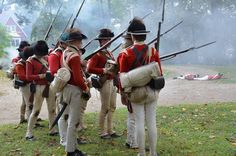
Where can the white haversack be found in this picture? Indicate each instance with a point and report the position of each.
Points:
(60, 79)
(140, 76)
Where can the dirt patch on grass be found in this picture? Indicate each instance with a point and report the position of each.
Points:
(175, 92)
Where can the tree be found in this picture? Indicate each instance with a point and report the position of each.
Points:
(4, 40)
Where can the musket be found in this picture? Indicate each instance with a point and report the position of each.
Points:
(109, 42)
(63, 31)
(66, 25)
(157, 45)
(155, 39)
(113, 50)
(89, 42)
(64, 105)
(174, 54)
(50, 26)
(105, 45)
(72, 24)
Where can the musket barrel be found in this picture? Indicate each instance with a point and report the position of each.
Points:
(50, 26)
(63, 30)
(172, 55)
(113, 50)
(89, 42)
(105, 45)
(72, 25)
(112, 40)
(165, 32)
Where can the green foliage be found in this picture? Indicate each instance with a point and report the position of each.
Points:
(4, 40)
(183, 130)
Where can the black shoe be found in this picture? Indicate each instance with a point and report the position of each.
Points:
(80, 153)
(147, 149)
(53, 134)
(114, 135)
(30, 138)
(23, 121)
(129, 146)
(39, 119)
(76, 153)
(81, 141)
(107, 136)
(37, 125)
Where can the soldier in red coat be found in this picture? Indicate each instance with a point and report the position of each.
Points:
(97, 65)
(131, 141)
(21, 81)
(54, 61)
(36, 68)
(54, 58)
(21, 47)
(133, 57)
(76, 89)
(12, 72)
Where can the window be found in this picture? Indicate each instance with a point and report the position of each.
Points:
(11, 28)
(15, 42)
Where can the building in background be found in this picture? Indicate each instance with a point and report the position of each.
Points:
(9, 21)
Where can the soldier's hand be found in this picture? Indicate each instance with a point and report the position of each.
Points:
(106, 71)
(124, 98)
(84, 63)
(42, 76)
(89, 83)
(86, 94)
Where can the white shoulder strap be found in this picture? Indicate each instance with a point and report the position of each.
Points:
(149, 54)
(65, 61)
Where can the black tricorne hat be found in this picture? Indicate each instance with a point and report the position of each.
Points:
(137, 27)
(73, 34)
(105, 34)
(40, 48)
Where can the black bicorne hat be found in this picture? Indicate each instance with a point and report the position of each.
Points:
(137, 27)
(40, 48)
(105, 34)
(22, 45)
(27, 52)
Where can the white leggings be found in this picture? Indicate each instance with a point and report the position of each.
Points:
(146, 111)
(131, 131)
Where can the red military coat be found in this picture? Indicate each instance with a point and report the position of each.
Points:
(54, 60)
(98, 61)
(127, 57)
(34, 68)
(73, 60)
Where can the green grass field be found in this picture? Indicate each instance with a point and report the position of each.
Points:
(184, 130)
